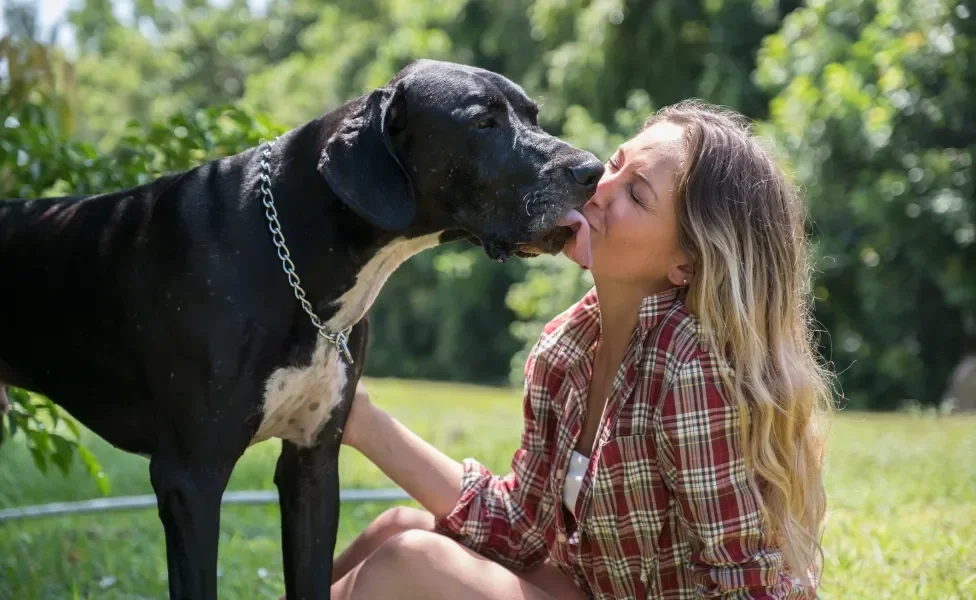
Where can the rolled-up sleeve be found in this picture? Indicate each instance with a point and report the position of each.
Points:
(496, 516)
(699, 448)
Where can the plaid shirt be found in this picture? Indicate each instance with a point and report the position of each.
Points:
(665, 509)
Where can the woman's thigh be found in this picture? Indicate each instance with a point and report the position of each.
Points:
(549, 578)
(422, 564)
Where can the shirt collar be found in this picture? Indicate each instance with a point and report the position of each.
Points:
(585, 320)
(655, 307)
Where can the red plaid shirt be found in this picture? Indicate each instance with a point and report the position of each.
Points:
(665, 509)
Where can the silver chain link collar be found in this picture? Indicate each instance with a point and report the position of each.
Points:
(336, 339)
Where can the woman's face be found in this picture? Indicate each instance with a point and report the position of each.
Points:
(633, 217)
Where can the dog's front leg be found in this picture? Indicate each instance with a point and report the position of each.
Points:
(188, 495)
(308, 494)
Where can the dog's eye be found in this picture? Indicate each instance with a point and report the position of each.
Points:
(486, 123)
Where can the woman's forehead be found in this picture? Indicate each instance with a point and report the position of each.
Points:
(658, 150)
(662, 136)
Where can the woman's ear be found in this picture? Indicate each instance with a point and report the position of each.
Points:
(681, 274)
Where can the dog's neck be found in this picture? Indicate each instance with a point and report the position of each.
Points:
(341, 260)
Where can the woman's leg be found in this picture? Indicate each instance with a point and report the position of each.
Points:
(546, 582)
(423, 564)
(390, 523)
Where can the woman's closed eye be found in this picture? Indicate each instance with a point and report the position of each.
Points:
(614, 165)
(637, 198)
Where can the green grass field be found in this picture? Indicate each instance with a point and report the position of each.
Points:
(902, 514)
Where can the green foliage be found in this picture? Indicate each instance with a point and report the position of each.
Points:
(442, 315)
(871, 106)
(44, 427)
(172, 57)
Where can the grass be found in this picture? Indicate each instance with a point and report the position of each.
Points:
(902, 517)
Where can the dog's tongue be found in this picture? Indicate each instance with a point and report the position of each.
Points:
(578, 246)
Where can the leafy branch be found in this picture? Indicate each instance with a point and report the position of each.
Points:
(52, 437)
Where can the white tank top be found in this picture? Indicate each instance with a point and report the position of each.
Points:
(574, 477)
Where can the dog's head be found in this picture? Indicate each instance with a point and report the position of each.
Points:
(457, 148)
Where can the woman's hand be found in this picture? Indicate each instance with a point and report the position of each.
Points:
(360, 415)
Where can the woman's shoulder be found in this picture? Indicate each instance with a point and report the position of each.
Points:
(566, 337)
(581, 315)
(682, 344)
(677, 333)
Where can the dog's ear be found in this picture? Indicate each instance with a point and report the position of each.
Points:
(359, 164)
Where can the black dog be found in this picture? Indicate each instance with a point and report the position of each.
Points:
(161, 318)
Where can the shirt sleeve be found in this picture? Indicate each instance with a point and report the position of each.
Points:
(702, 461)
(496, 516)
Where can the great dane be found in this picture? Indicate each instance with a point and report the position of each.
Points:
(209, 310)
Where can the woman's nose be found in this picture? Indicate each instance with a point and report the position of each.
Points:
(603, 189)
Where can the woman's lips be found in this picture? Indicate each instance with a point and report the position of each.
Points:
(578, 246)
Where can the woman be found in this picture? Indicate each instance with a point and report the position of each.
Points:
(669, 448)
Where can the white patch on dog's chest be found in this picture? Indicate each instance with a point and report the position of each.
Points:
(298, 401)
(356, 301)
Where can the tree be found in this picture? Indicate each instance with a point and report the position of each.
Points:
(871, 108)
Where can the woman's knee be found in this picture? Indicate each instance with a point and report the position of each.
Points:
(424, 564)
(411, 564)
(401, 518)
(413, 548)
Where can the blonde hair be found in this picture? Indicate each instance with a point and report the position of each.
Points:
(742, 225)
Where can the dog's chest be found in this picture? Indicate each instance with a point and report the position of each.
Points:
(299, 401)
(354, 303)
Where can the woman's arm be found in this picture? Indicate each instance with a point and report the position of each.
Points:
(423, 471)
(492, 515)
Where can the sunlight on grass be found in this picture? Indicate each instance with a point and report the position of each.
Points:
(902, 516)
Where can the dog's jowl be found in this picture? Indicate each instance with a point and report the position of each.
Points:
(191, 317)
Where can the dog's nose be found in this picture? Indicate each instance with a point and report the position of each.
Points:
(588, 173)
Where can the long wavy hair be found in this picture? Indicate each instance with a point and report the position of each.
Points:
(743, 226)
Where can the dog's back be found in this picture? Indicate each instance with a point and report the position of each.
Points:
(67, 325)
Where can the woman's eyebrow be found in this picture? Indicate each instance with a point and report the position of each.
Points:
(647, 182)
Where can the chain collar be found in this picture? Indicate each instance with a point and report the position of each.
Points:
(336, 339)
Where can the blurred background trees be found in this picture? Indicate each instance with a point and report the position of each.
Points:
(872, 105)
(865, 99)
